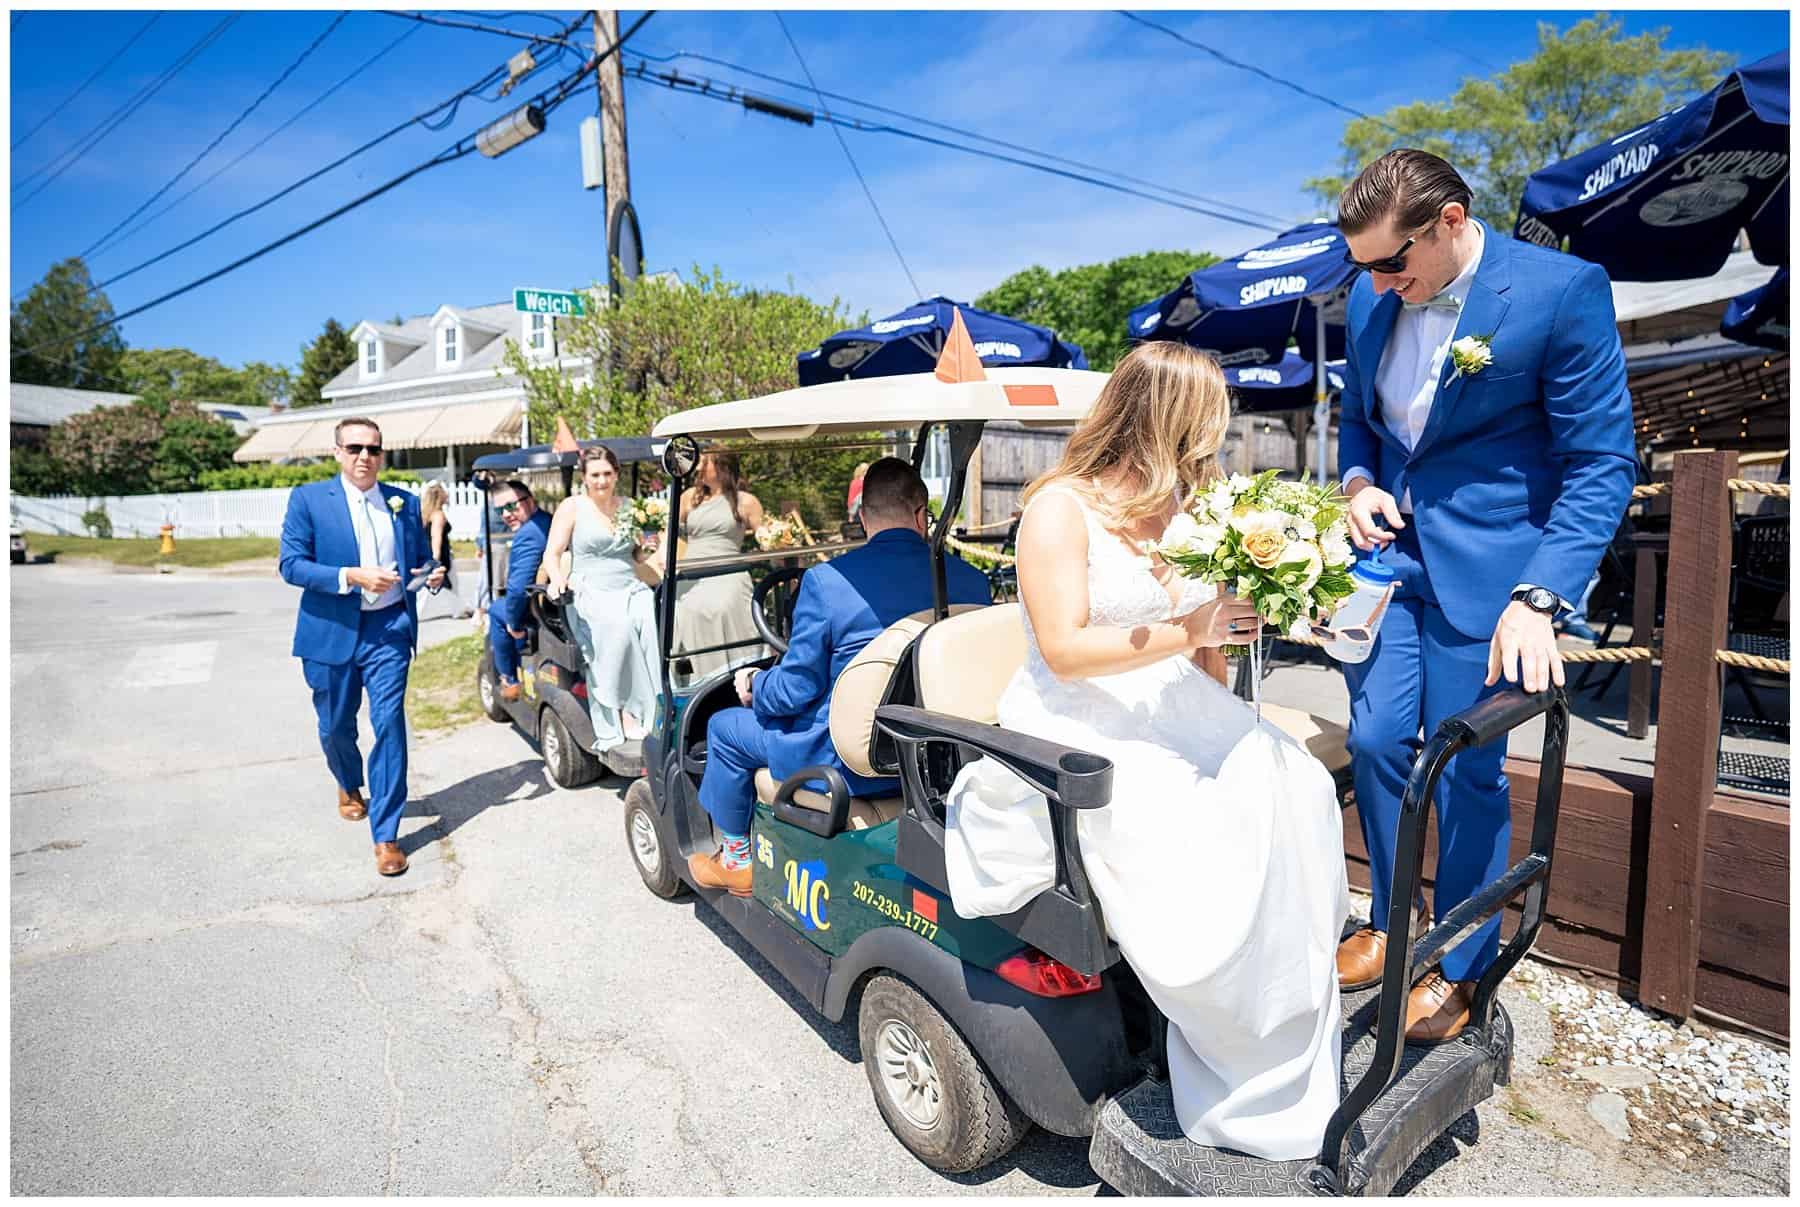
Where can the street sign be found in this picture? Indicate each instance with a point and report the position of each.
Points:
(546, 301)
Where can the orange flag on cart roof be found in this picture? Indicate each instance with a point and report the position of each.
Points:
(565, 441)
(958, 361)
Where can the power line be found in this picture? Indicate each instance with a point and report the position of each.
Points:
(807, 71)
(223, 135)
(719, 91)
(119, 116)
(418, 119)
(486, 29)
(1254, 70)
(260, 143)
(998, 142)
(548, 101)
(132, 41)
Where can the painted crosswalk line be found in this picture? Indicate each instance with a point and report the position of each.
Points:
(175, 664)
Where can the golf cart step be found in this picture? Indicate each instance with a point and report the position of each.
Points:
(626, 759)
(1139, 1149)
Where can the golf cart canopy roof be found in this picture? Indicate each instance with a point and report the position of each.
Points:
(1032, 396)
(541, 456)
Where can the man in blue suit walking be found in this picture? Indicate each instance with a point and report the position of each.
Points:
(1486, 421)
(343, 543)
(843, 605)
(530, 527)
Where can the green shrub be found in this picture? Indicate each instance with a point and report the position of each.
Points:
(263, 476)
(97, 522)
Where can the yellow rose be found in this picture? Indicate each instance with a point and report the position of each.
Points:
(1265, 546)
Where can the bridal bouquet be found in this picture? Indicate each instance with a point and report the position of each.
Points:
(783, 532)
(649, 514)
(1284, 546)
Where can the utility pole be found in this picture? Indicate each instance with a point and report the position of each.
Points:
(616, 175)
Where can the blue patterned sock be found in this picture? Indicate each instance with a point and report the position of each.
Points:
(736, 853)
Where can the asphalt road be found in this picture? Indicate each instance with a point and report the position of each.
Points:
(213, 992)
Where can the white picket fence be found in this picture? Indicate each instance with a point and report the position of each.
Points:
(203, 513)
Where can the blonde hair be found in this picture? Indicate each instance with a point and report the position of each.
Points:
(1160, 420)
(432, 500)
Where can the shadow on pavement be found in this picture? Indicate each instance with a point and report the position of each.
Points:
(456, 804)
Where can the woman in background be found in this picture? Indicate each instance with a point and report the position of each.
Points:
(432, 501)
(716, 513)
(613, 619)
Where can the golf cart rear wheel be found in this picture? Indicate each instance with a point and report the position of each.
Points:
(569, 765)
(930, 1087)
(487, 684)
(649, 853)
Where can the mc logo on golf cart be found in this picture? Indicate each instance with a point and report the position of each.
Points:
(807, 892)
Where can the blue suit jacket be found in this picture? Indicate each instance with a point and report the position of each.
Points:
(317, 541)
(843, 605)
(522, 563)
(1524, 469)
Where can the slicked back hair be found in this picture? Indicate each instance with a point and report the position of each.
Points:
(1411, 186)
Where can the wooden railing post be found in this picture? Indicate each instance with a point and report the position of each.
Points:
(1643, 632)
(1687, 748)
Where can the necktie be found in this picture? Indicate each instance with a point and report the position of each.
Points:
(1443, 301)
(372, 552)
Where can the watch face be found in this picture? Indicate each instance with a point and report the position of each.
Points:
(1541, 599)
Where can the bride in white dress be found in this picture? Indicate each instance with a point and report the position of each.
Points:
(1219, 862)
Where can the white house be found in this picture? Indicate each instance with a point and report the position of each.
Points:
(438, 385)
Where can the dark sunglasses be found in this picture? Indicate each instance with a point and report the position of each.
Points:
(509, 508)
(1387, 264)
(357, 450)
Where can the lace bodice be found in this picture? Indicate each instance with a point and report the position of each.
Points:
(1122, 589)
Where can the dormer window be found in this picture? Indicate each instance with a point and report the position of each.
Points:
(371, 357)
(539, 338)
(450, 345)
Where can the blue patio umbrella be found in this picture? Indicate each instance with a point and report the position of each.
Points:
(1666, 201)
(1286, 385)
(1245, 309)
(909, 342)
(1760, 317)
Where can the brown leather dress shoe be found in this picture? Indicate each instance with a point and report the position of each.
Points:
(1437, 1009)
(351, 806)
(1361, 956)
(708, 872)
(390, 860)
(509, 691)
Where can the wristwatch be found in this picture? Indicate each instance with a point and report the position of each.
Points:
(1538, 599)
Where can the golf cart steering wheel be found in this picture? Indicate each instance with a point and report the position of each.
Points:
(758, 612)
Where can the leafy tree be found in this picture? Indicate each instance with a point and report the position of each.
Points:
(330, 353)
(145, 446)
(35, 472)
(266, 474)
(677, 345)
(1087, 304)
(193, 442)
(53, 338)
(1583, 86)
(180, 373)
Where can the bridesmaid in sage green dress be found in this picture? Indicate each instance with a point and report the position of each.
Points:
(613, 619)
(715, 516)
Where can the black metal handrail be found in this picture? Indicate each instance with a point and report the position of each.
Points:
(1407, 961)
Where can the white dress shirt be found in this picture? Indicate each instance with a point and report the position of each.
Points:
(373, 524)
(1406, 382)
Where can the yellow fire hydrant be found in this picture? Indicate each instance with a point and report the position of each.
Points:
(168, 539)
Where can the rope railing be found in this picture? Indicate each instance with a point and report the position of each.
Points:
(1778, 490)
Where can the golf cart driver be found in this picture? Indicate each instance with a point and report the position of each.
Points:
(842, 606)
(508, 618)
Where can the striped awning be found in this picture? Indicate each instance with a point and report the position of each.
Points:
(492, 422)
(495, 422)
(272, 442)
(402, 429)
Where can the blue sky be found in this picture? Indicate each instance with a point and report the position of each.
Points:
(765, 200)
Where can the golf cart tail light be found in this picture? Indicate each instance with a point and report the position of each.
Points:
(1035, 972)
(579, 690)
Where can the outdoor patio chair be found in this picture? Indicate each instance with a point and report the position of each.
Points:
(1756, 624)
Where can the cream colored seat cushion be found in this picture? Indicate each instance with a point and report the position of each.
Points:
(966, 661)
(866, 812)
(1325, 740)
(859, 689)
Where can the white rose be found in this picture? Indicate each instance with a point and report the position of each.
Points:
(1207, 538)
(1307, 552)
(1306, 529)
(1219, 498)
(1472, 355)
(1336, 552)
(1339, 531)
(1180, 532)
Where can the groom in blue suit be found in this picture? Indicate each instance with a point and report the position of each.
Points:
(344, 543)
(843, 605)
(1486, 421)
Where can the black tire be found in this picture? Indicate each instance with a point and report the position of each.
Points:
(972, 1123)
(487, 683)
(652, 857)
(569, 764)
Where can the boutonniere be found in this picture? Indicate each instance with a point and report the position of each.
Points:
(396, 504)
(1471, 354)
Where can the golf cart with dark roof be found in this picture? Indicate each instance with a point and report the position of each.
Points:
(972, 1030)
(552, 704)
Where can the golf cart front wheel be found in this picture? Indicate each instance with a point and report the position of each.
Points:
(930, 1087)
(487, 684)
(652, 857)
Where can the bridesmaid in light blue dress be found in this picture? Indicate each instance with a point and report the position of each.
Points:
(613, 619)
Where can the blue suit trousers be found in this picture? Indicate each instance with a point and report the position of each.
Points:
(506, 647)
(379, 666)
(1422, 671)
(736, 746)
